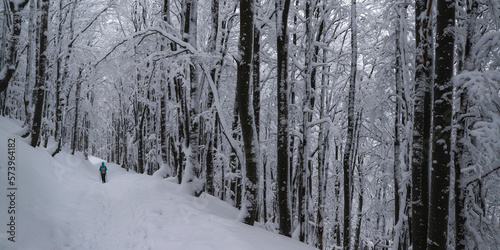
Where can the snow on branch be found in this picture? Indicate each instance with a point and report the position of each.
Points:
(187, 48)
(94, 19)
(223, 122)
(17, 5)
(495, 166)
(489, 40)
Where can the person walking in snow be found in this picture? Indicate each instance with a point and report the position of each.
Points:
(103, 170)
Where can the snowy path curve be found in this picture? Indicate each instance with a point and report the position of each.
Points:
(62, 204)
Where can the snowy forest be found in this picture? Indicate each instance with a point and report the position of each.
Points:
(344, 124)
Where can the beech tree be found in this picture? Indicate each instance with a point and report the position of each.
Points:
(312, 117)
(41, 76)
(442, 117)
(348, 155)
(283, 178)
(246, 112)
(422, 124)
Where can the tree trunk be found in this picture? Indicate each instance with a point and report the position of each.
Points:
(192, 172)
(282, 8)
(357, 242)
(348, 161)
(77, 114)
(442, 121)
(323, 144)
(42, 74)
(212, 145)
(303, 169)
(61, 73)
(30, 69)
(399, 199)
(421, 125)
(245, 107)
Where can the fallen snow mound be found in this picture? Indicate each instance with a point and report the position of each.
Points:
(60, 203)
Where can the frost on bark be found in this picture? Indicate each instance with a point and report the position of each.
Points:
(442, 121)
(304, 168)
(282, 9)
(422, 125)
(246, 112)
(8, 70)
(212, 134)
(41, 75)
(190, 179)
(348, 157)
(462, 157)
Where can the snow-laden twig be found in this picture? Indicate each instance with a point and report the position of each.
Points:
(223, 122)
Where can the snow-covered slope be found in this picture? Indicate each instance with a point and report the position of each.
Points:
(60, 203)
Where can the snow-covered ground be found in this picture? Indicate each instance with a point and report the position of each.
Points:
(60, 203)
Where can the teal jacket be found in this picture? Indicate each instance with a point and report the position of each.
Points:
(103, 167)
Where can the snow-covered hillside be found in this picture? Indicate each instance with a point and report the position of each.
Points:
(60, 203)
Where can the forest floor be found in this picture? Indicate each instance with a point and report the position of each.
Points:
(60, 203)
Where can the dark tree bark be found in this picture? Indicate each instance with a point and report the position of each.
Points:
(348, 156)
(246, 112)
(192, 171)
(256, 109)
(141, 142)
(41, 75)
(422, 125)
(442, 121)
(30, 67)
(77, 114)
(282, 8)
(357, 239)
(61, 75)
(212, 145)
(256, 76)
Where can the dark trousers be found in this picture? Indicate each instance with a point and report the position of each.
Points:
(103, 177)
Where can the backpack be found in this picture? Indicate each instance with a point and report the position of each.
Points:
(103, 169)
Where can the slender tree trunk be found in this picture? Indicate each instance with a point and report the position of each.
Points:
(42, 74)
(348, 157)
(30, 69)
(193, 169)
(256, 110)
(357, 237)
(399, 200)
(303, 169)
(421, 125)
(442, 121)
(3, 42)
(77, 114)
(212, 145)
(234, 161)
(140, 140)
(61, 73)
(249, 132)
(256, 75)
(323, 144)
(282, 8)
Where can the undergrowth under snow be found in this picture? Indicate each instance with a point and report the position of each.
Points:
(61, 204)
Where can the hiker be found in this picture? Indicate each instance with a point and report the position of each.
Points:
(103, 170)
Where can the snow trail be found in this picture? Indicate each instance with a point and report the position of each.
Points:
(62, 204)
